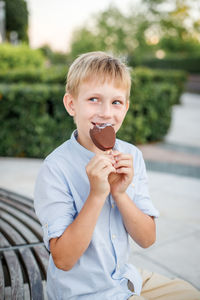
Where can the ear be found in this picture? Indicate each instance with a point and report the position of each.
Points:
(127, 105)
(68, 102)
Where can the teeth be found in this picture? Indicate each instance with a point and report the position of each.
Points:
(102, 125)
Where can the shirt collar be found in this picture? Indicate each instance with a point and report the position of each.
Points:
(82, 150)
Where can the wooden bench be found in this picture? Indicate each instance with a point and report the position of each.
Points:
(23, 256)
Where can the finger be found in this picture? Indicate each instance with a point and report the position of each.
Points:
(110, 156)
(123, 163)
(101, 166)
(124, 170)
(108, 152)
(107, 170)
(115, 152)
(108, 160)
(98, 159)
(122, 156)
(106, 156)
(96, 167)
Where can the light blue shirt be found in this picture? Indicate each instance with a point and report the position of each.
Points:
(62, 187)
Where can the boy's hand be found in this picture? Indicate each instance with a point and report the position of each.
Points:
(98, 170)
(120, 180)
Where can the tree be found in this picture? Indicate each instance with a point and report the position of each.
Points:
(178, 25)
(53, 57)
(17, 18)
(111, 31)
(167, 27)
(83, 41)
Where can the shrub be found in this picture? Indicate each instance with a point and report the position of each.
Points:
(188, 64)
(33, 119)
(19, 56)
(178, 78)
(55, 74)
(149, 115)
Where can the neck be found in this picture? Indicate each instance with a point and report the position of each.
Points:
(89, 145)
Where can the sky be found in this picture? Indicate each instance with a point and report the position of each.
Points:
(52, 21)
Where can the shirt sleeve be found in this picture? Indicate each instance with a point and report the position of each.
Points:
(53, 202)
(140, 183)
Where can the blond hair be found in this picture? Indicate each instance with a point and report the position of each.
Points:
(101, 67)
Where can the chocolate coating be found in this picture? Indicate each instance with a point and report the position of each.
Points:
(103, 137)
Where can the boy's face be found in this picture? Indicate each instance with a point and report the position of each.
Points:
(96, 103)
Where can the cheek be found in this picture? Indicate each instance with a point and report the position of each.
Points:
(85, 113)
(121, 115)
(89, 111)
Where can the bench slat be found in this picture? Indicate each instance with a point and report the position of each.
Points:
(16, 197)
(2, 281)
(28, 211)
(27, 266)
(34, 275)
(27, 294)
(33, 272)
(30, 223)
(8, 293)
(43, 257)
(27, 234)
(14, 268)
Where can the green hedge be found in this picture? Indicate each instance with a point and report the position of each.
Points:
(55, 74)
(19, 56)
(149, 115)
(34, 121)
(144, 75)
(188, 64)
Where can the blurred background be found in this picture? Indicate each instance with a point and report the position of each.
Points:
(160, 41)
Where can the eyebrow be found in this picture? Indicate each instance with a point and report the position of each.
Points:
(100, 95)
(120, 97)
(94, 95)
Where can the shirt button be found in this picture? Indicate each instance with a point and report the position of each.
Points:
(113, 236)
(118, 266)
(113, 205)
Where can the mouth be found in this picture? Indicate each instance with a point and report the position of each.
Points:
(102, 125)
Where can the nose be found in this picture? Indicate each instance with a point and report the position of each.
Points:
(105, 110)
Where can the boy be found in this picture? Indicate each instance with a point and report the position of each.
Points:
(88, 201)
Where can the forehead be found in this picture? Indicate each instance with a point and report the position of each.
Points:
(97, 86)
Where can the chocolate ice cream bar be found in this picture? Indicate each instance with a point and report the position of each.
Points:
(103, 136)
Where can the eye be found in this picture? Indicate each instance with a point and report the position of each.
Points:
(117, 102)
(93, 99)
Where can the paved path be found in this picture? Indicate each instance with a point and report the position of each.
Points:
(174, 180)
